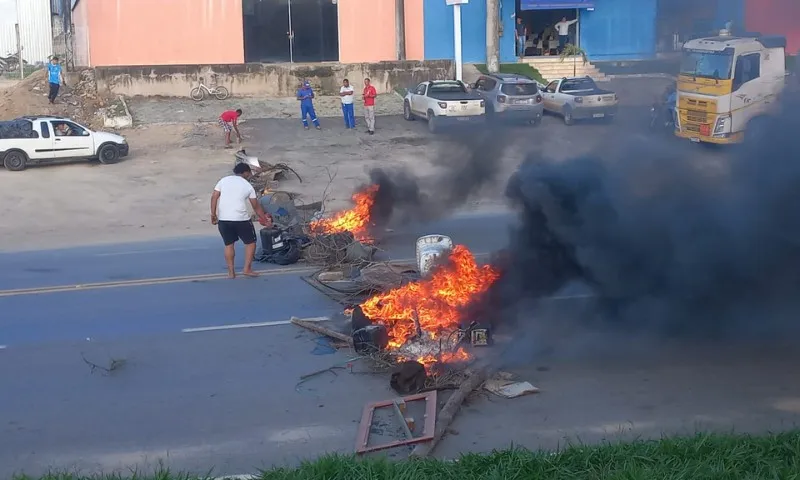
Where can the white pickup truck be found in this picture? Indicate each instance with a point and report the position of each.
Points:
(579, 98)
(444, 103)
(37, 140)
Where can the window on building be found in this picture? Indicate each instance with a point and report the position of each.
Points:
(748, 68)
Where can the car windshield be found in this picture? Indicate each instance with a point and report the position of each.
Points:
(578, 85)
(706, 64)
(447, 87)
(519, 89)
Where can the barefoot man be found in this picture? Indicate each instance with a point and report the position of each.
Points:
(229, 121)
(229, 213)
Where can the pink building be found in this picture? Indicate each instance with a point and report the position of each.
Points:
(190, 32)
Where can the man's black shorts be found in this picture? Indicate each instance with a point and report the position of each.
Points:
(232, 231)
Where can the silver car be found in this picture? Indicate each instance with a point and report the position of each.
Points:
(510, 97)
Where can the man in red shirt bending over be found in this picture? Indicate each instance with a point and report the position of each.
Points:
(369, 106)
(229, 121)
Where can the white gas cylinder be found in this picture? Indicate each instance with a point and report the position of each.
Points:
(429, 248)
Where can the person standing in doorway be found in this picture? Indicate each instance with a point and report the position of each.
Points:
(229, 213)
(229, 121)
(562, 28)
(55, 77)
(369, 96)
(306, 97)
(346, 92)
(519, 37)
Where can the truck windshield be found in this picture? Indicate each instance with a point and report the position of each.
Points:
(447, 87)
(705, 64)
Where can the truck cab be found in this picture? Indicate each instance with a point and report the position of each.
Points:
(34, 140)
(727, 84)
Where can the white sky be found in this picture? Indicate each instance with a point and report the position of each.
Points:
(8, 11)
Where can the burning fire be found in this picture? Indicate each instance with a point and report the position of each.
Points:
(433, 306)
(356, 220)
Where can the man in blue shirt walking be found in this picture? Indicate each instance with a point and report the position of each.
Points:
(55, 77)
(306, 97)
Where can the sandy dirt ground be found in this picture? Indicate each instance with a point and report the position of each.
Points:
(162, 189)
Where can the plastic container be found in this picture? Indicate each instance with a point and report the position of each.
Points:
(429, 248)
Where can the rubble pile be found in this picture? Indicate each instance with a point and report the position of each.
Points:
(79, 101)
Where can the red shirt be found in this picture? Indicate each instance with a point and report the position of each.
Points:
(230, 116)
(369, 96)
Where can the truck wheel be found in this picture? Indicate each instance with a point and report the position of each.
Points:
(407, 111)
(433, 124)
(108, 154)
(15, 161)
(568, 120)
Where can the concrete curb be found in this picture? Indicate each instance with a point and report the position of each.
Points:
(119, 122)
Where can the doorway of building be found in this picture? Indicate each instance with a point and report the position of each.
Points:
(542, 37)
(290, 31)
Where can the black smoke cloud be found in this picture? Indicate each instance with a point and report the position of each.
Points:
(669, 244)
(464, 164)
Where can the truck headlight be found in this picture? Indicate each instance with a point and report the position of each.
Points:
(723, 123)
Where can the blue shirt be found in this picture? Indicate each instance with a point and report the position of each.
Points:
(305, 92)
(54, 73)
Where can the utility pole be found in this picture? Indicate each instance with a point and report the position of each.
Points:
(19, 53)
(457, 34)
(492, 34)
(400, 28)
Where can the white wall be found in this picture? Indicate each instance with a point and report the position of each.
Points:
(35, 28)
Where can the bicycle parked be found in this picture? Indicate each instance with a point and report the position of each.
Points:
(200, 92)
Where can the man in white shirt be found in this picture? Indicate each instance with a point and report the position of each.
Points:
(229, 213)
(562, 28)
(346, 92)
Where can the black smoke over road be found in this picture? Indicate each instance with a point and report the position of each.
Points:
(463, 165)
(670, 244)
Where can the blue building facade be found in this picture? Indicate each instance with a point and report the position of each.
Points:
(608, 29)
(438, 27)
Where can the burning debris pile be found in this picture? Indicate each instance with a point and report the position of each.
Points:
(423, 321)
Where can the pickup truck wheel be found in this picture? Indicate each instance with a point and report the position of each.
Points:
(108, 154)
(15, 161)
(407, 111)
(433, 124)
(568, 120)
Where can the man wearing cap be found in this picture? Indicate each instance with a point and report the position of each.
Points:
(306, 97)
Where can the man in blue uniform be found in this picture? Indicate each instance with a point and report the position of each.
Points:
(55, 78)
(306, 97)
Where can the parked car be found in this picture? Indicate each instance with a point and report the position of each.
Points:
(579, 98)
(444, 103)
(37, 140)
(510, 97)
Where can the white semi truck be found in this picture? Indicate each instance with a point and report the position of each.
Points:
(728, 85)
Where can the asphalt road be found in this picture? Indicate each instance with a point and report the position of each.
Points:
(223, 398)
(228, 398)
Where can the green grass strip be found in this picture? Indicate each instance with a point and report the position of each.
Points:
(701, 457)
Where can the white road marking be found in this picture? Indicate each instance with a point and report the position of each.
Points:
(571, 297)
(138, 252)
(250, 325)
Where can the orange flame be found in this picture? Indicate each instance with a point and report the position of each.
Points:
(356, 220)
(436, 303)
